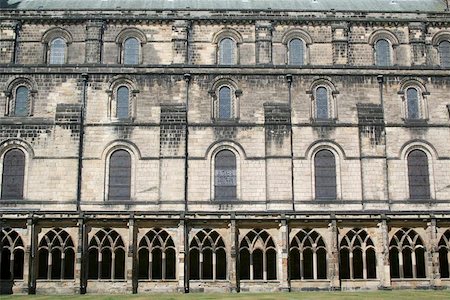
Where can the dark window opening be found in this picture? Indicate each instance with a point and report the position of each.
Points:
(244, 264)
(106, 264)
(123, 103)
(120, 175)
(225, 183)
(143, 264)
(325, 175)
(394, 263)
(119, 264)
(21, 104)
(194, 264)
(93, 264)
(296, 52)
(294, 264)
(358, 270)
(418, 176)
(13, 174)
(371, 263)
(226, 51)
(383, 53)
(444, 54)
(131, 51)
(345, 264)
(257, 264)
(420, 263)
(308, 265)
(443, 263)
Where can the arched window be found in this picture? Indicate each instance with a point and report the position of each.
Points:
(207, 256)
(258, 256)
(56, 256)
(225, 182)
(322, 103)
(123, 102)
(418, 175)
(412, 104)
(21, 103)
(225, 103)
(119, 175)
(325, 175)
(13, 174)
(296, 52)
(131, 51)
(307, 256)
(227, 52)
(407, 255)
(444, 255)
(157, 258)
(357, 256)
(444, 54)
(382, 53)
(11, 255)
(106, 255)
(57, 52)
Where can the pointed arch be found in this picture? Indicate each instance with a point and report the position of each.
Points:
(444, 255)
(12, 252)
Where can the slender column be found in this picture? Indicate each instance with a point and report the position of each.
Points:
(81, 261)
(414, 263)
(113, 265)
(314, 265)
(214, 265)
(163, 256)
(264, 266)
(131, 264)
(200, 269)
(364, 263)
(350, 261)
(150, 265)
(384, 268)
(99, 267)
(335, 283)
(183, 257)
(285, 280)
(301, 265)
(234, 257)
(251, 265)
(400, 264)
(49, 265)
(432, 255)
(32, 234)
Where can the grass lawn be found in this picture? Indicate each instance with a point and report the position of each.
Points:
(397, 295)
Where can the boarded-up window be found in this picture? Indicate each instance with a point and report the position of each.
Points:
(226, 52)
(444, 54)
(120, 176)
(418, 176)
(412, 98)
(123, 102)
(131, 51)
(13, 174)
(57, 51)
(325, 175)
(225, 176)
(322, 103)
(21, 102)
(383, 53)
(224, 103)
(296, 52)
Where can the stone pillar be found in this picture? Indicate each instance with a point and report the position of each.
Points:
(180, 36)
(335, 283)
(31, 254)
(79, 259)
(340, 43)
(234, 257)
(131, 263)
(94, 41)
(383, 267)
(417, 32)
(263, 42)
(284, 238)
(432, 258)
(183, 257)
(8, 41)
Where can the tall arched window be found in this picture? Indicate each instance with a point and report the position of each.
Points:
(225, 103)
(322, 103)
(225, 182)
(407, 255)
(296, 52)
(106, 255)
(307, 256)
(418, 175)
(382, 53)
(119, 175)
(444, 54)
(357, 256)
(325, 175)
(444, 255)
(258, 256)
(57, 53)
(12, 252)
(21, 103)
(123, 103)
(56, 256)
(131, 51)
(207, 256)
(227, 52)
(13, 174)
(157, 258)
(412, 103)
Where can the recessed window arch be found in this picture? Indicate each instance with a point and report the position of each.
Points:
(407, 255)
(157, 256)
(225, 175)
(227, 51)
(225, 100)
(131, 51)
(418, 175)
(444, 53)
(122, 99)
(357, 256)
(384, 43)
(12, 251)
(20, 94)
(307, 256)
(296, 50)
(56, 256)
(325, 183)
(57, 51)
(258, 256)
(119, 175)
(130, 42)
(414, 100)
(207, 256)
(444, 255)
(13, 174)
(323, 101)
(106, 255)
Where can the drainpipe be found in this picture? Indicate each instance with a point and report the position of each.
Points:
(102, 32)
(84, 78)
(289, 80)
(380, 79)
(187, 79)
(17, 29)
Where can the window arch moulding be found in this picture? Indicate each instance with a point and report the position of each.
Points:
(414, 97)
(49, 37)
(236, 40)
(441, 42)
(393, 42)
(323, 107)
(225, 98)
(305, 38)
(20, 96)
(129, 34)
(122, 90)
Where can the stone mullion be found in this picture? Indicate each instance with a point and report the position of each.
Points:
(113, 264)
(400, 263)
(200, 264)
(414, 263)
(301, 264)
(251, 265)
(448, 259)
(99, 266)
(150, 264)
(163, 262)
(214, 264)
(350, 256)
(315, 265)
(63, 264)
(49, 263)
(264, 265)
(364, 261)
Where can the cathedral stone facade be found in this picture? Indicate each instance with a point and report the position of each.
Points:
(242, 145)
